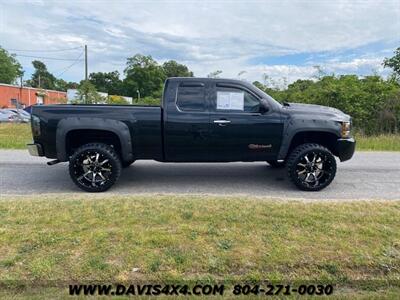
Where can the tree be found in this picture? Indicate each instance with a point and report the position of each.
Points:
(393, 62)
(116, 100)
(273, 92)
(259, 85)
(174, 69)
(88, 94)
(241, 73)
(214, 74)
(143, 75)
(107, 82)
(319, 72)
(10, 69)
(62, 85)
(42, 78)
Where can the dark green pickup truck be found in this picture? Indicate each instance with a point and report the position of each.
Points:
(200, 120)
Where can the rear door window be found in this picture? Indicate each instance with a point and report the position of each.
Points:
(191, 97)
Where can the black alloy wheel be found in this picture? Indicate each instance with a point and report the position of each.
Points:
(95, 167)
(311, 167)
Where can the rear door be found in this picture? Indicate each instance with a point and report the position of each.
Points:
(239, 128)
(186, 121)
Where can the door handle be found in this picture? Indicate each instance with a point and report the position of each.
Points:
(222, 122)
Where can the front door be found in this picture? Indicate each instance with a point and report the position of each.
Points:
(239, 128)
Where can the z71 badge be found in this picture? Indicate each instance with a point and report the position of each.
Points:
(258, 146)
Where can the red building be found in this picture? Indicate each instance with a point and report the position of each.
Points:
(10, 95)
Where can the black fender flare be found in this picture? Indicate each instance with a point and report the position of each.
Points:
(119, 128)
(294, 128)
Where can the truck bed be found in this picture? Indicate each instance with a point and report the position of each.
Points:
(144, 124)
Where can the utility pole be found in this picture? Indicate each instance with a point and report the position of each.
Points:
(86, 75)
(20, 93)
(86, 67)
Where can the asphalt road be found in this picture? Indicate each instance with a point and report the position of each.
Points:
(369, 175)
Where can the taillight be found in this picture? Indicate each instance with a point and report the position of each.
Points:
(35, 121)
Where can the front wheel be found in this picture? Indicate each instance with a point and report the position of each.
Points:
(95, 167)
(311, 167)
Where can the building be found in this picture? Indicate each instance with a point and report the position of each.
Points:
(72, 96)
(13, 95)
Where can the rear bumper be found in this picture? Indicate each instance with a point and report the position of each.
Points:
(346, 148)
(35, 149)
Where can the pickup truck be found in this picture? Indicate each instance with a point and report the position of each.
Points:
(199, 120)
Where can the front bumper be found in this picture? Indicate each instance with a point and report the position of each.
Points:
(35, 149)
(346, 148)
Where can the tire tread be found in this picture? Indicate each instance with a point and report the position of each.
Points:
(293, 156)
(105, 148)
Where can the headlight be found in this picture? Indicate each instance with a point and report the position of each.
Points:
(345, 131)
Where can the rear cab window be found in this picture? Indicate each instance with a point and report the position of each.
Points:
(191, 97)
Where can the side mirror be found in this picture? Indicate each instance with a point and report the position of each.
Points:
(264, 107)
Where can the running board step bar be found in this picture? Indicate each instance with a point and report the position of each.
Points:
(53, 162)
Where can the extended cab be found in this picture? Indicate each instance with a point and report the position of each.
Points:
(200, 120)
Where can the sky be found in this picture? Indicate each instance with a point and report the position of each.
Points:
(283, 40)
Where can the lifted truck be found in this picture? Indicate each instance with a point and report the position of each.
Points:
(200, 120)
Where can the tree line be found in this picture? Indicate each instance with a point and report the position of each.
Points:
(143, 77)
(372, 101)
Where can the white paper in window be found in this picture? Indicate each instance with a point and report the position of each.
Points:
(223, 100)
(237, 101)
(230, 100)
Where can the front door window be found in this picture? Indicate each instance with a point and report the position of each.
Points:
(235, 100)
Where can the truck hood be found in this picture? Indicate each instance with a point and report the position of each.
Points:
(317, 110)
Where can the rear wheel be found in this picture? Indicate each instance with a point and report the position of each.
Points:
(95, 167)
(311, 167)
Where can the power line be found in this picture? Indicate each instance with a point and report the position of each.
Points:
(44, 57)
(70, 66)
(54, 50)
(117, 65)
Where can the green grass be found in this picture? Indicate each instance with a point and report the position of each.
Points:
(389, 142)
(58, 239)
(16, 136)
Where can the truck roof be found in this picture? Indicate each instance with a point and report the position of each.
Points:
(206, 79)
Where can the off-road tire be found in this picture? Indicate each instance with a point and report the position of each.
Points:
(108, 165)
(276, 164)
(297, 158)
